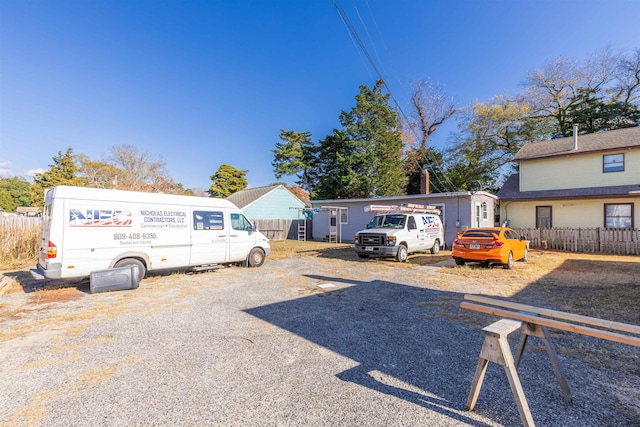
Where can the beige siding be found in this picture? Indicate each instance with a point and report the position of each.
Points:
(572, 213)
(580, 171)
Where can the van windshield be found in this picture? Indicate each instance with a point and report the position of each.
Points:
(387, 221)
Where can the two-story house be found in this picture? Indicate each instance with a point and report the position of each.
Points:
(581, 181)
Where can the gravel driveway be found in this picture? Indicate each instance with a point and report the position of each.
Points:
(298, 342)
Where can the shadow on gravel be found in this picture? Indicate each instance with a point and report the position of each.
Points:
(404, 348)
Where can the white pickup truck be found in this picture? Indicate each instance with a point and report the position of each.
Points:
(397, 231)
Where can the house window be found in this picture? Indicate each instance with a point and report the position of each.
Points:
(485, 211)
(613, 163)
(344, 215)
(618, 215)
(543, 217)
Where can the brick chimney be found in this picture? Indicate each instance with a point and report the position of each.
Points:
(424, 181)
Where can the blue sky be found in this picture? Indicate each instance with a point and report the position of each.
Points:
(204, 83)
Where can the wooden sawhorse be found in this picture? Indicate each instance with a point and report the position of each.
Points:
(496, 349)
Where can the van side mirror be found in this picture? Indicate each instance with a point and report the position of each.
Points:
(250, 228)
(412, 227)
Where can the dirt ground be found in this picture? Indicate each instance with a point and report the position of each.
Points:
(596, 285)
(602, 286)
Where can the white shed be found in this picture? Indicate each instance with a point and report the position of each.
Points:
(338, 220)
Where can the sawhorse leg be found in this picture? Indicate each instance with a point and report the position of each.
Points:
(496, 349)
(542, 333)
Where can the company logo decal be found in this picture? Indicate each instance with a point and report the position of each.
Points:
(429, 222)
(99, 218)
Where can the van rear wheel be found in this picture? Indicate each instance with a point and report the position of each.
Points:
(256, 257)
(133, 261)
(436, 247)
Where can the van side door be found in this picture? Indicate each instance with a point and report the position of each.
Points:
(241, 237)
(209, 236)
(413, 237)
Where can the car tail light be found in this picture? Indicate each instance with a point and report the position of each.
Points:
(52, 250)
(458, 243)
(495, 244)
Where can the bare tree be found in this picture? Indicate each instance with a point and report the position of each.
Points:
(627, 77)
(563, 87)
(97, 174)
(430, 108)
(141, 171)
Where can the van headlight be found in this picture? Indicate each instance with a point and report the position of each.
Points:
(391, 240)
(356, 238)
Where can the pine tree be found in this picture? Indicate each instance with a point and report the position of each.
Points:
(63, 171)
(364, 159)
(226, 181)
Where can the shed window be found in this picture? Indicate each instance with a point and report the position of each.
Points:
(618, 215)
(485, 211)
(613, 163)
(344, 215)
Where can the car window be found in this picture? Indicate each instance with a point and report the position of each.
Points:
(387, 221)
(479, 233)
(411, 224)
(239, 222)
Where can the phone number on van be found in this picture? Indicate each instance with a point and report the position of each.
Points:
(133, 236)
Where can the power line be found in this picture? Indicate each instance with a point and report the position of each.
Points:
(355, 38)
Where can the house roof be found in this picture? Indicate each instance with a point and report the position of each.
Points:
(510, 191)
(610, 140)
(247, 196)
(408, 197)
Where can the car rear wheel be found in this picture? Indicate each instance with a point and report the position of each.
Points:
(436, 247)
(363, 256)
(509, 264)
(403, 254)
(459, 261)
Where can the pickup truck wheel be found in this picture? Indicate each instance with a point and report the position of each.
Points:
(436, 247)
(402, 253)
(509, 264)
(133, 261)
(256, 257)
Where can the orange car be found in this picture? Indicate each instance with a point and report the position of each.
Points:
(490, 245)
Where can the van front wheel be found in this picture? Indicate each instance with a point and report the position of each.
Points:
(256, 257)
(403, 254)
(133, 261)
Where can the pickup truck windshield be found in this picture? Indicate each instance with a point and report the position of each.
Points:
(387, 221)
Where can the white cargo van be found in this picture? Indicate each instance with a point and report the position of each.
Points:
(88, 229)
(397, 231)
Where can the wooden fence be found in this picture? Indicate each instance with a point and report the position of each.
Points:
(622, 241)
(14, 229)
(280, 229)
